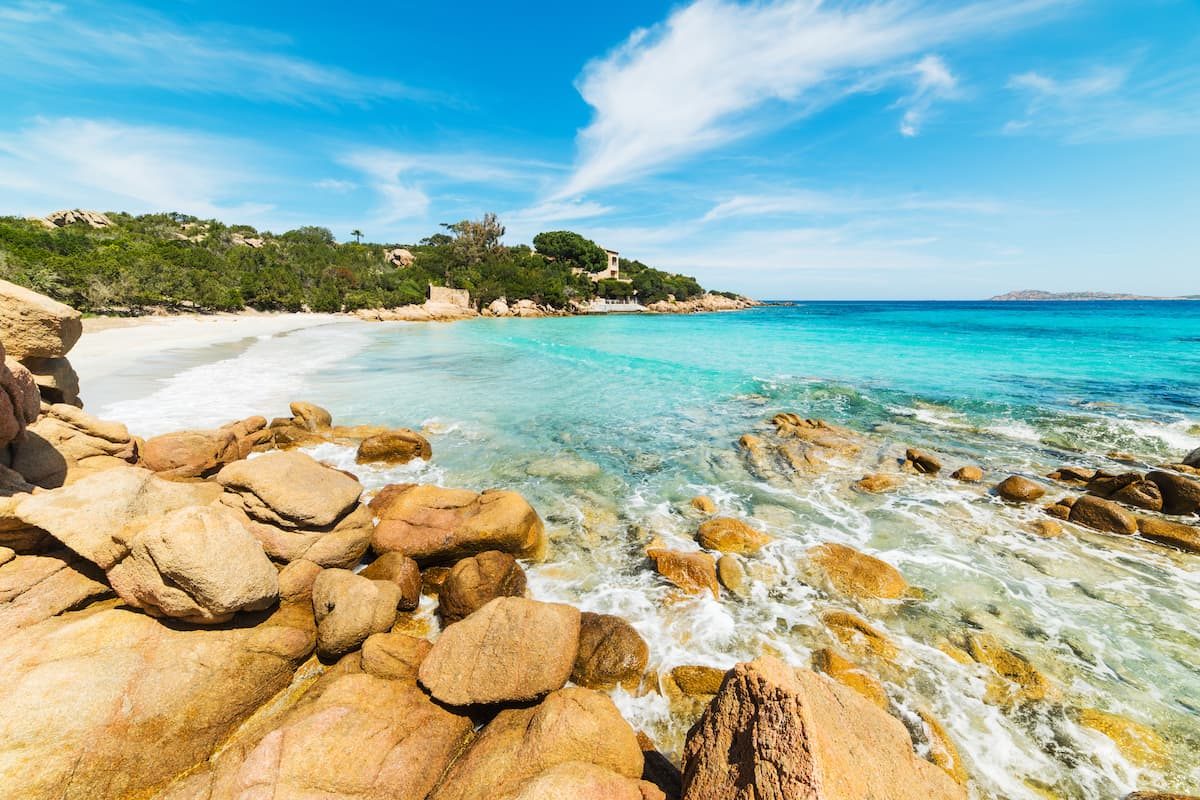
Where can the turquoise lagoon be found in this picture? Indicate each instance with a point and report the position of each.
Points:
(608, 425)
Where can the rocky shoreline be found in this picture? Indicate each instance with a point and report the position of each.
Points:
(435, 311)
(217, 614)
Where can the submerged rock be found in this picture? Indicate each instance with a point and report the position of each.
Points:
(732, 574)
(1017, 489)
(857, 574)
(968, 474)
(474, 582)
(878, 483)
(1137, 742)
(777, 732)
(435, 525)
(694, 573)
(1102, 515)
(850, 675)
(611, 652)
(522, 752)
(729, 535)
(512, 649)
(799, 448)
(1175, 534)
(692, 679)
(859, 636)
(921, 462)
(1029, 683)
(704, 504)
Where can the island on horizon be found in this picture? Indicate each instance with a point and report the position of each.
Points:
(1026, 295)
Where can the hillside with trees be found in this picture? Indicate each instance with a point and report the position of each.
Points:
(180, 262)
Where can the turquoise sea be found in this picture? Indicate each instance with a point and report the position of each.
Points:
(609, 425)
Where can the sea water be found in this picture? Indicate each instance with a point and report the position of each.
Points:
(610, 424)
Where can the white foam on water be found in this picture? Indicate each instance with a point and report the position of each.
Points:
(1017, 430)
(274, 370)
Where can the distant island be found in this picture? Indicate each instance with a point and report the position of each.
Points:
(1037, 294)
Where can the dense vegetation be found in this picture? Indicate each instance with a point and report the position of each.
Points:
(181, 262)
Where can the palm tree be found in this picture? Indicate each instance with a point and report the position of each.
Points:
(357, 234)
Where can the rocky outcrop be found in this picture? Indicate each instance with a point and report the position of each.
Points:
(521, 752)
(20, 402)
(773, 731)
(34, 588)
(857, 574)
(1018, 489)
(435, 525)
(93, 219)
(429, 311)
(474, 582)
(610, 652)
(694, 573)
(399, 257)
(512, 649)
(109, 702)
(66, 443)
(348, 608)
(705, 303)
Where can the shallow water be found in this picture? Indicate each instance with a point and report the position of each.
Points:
(609, 425)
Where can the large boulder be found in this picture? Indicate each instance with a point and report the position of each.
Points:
(290, 490)
(510, 650)
(36, 326)
(435, 525)
(611, 652)
(341, 545)
(1102, 515)
(109, 702)
(1180, 494)
(1192, 459)
(349, 608)
(580, 780)
(1140, 494)
(66, 443)
(776, 732)
(357, 736)
(729, 535)
(394, 447)
(856, 574)
(198, 564)
(520, 745)
(474, 582)
(694, 573)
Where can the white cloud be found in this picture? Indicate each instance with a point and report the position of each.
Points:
(807, 203)
(335, 185)
(690, 83)
(1108, 103)
(114, 166)
(44, 43)
(933, 82)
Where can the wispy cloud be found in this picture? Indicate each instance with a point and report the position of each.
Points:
(695, 81)
(1108, 102)
(116, 166)
(933, 82)
(810, 203)
(46, 44)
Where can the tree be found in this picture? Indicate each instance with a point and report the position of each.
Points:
(475, 240)
(572, 249)
(357, 234)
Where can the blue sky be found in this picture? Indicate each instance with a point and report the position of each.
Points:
(795, 148)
